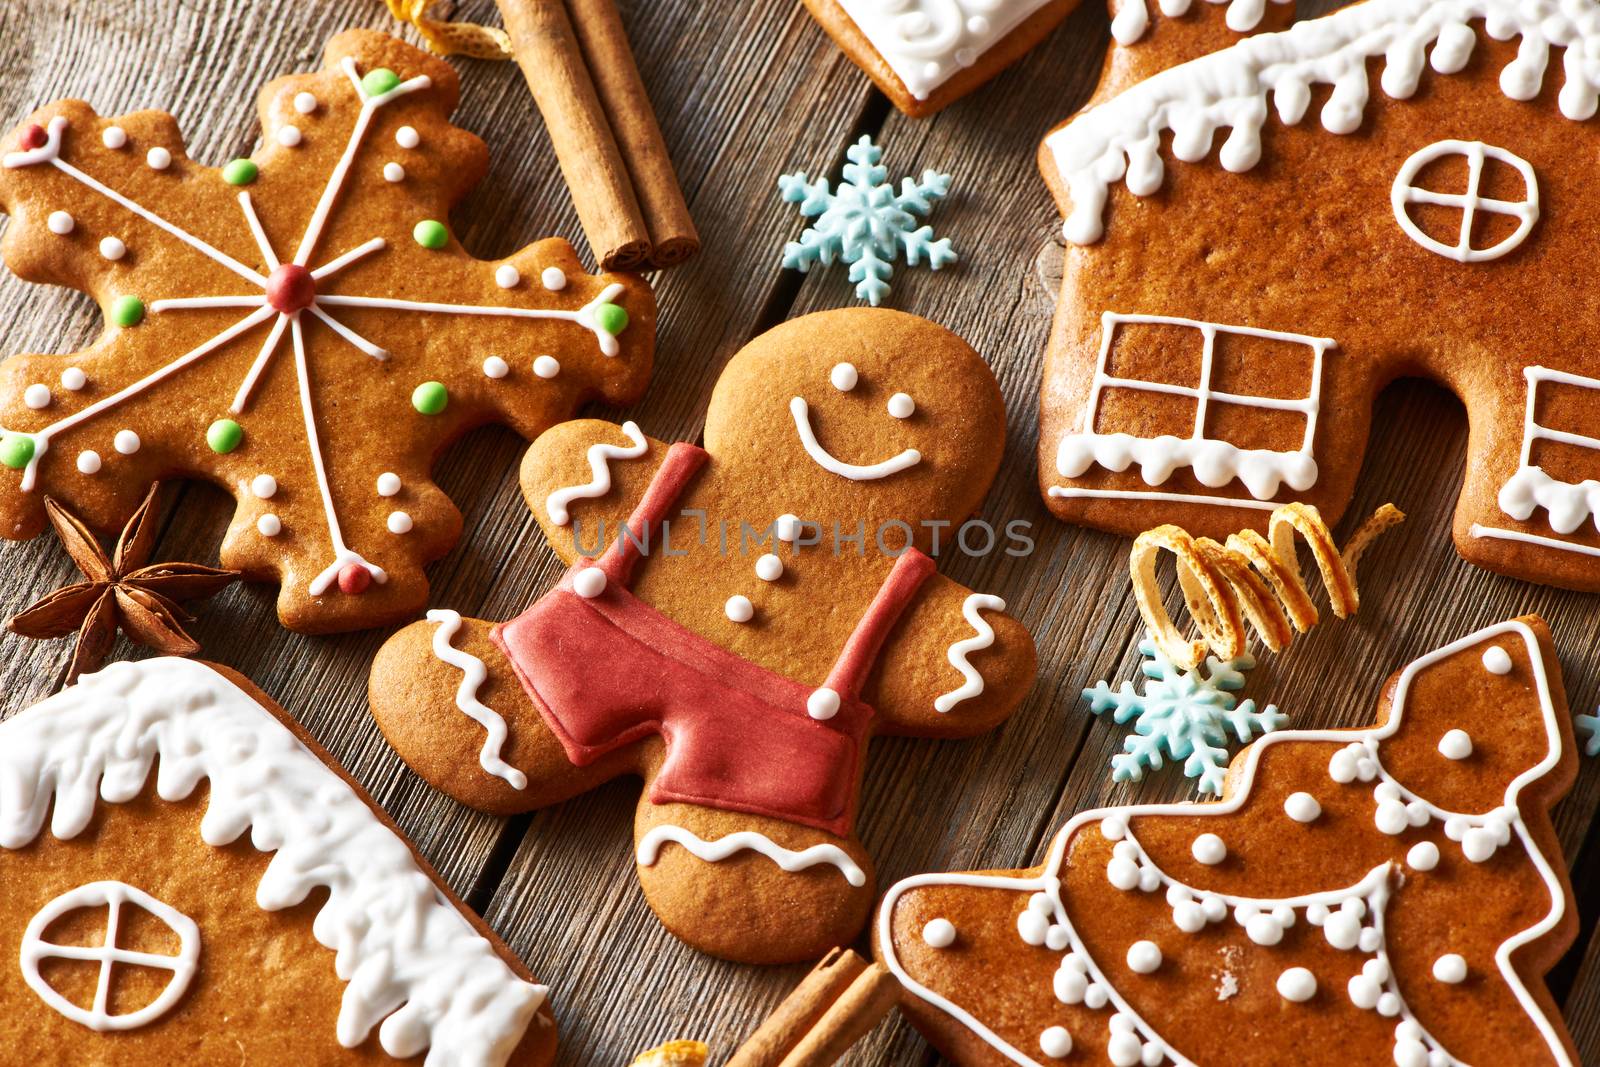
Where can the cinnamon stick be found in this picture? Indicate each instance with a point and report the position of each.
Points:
(622, 94)
(839, 1001)
(546, 48)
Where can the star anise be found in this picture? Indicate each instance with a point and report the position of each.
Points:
(121, 592)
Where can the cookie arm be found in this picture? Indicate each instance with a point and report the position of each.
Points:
(582, 478)
(956, 665)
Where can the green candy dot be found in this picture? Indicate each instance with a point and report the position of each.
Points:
(127, 311)
(16, 450)
(224, 436)
(431, 234)
(240, 172)
(377, 82)
(430, 398)
(611, 318)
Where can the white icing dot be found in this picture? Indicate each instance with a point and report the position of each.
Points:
(269, 525)
(406, 137)
(1455, 744)
(1144, 957)
(126, 442)
(394, 172)
(73, 379)
(553, 278)
(60, 223)
(769, 568)
(305, 103)
(399, 522)
(88, 461)
(36, 396)
(822, 703)
(113, 137)
(112, 248)
(289, 136)
(1497, 660)
(1113, 827)
(1297, 985)
(158, 158)
(787, 527)
(844, 377)
(547, 366)
(506, 276)
(495, 367)
(264, 486)
(939, 933)
(901, 406)
(1055, 1042)
(739, 609)
(977, 25)
(589, 582)
(388, 483)
(1209, 849)
(1450, 969)
(1302, 807)
(1424, 856)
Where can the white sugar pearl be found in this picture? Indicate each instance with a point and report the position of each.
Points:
(394, 172)
(547, 366)
(939, 933)
(112, 248)
(60, 223)
(269, 525)
(901, 406)
(495, 367)
(126, 442)
(844, 377)
(36, 396)
(1302, 807)
(506, 276)
(589, 582)
(407, 137)
(787, 527)
(388, 483)
(1113, 827)
(1497, 660)
(73, 379)
(1424, 856)
(822, 704)
(399, 522)
(158, 158)
(739, 609)
(1055, 1042)
(113, 137)
(1297, 985)
(305, 103)
(769, 568)
(1455, 744)
(88, 461)
(1450, 969)
(1144, 957)
(289, 136)
(1209, 849)
(553, 278)
(264, 486)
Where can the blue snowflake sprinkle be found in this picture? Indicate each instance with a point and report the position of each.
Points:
(1183, 715)
(1589, 728)
(865, 222)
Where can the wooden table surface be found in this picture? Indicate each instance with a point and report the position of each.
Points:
(746, 91)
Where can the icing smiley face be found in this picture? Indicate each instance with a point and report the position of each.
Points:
(845, 378)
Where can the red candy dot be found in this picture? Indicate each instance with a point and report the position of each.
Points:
(354, 579)
(34, 136)
(290, 288)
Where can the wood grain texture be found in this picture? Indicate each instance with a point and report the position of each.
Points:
(745, 92)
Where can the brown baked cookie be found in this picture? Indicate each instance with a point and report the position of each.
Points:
(1394, 894)
(299, 327)
(761, 619)
(926, 54)
(272, 914)
(1265, 236)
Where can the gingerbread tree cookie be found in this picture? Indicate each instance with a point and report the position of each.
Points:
(1394, 189)
(760, 619)
(1393, 894)
(300, 327)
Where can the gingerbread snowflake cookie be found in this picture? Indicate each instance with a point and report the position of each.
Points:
(299, 326)
(1236, 369)
(212, 889)
(761, 617)
(1393, 894)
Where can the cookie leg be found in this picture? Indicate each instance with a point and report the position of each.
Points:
(748, 888)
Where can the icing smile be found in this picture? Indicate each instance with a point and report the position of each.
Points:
(855, 472)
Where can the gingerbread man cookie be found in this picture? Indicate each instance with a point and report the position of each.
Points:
(1393, 894)
(152, 925)
(300, 327)
(1237, 369)
(761, 617)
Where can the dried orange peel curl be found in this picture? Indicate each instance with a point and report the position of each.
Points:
(674, 1054)
(1252, 579)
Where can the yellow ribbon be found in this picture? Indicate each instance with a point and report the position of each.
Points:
(450, 38)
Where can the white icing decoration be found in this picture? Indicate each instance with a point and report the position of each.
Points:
(1455, 744)
(126, 442)
(589, 582)
(158, 158)
(495, 367)
(473, 674)
(600, 456)
(855, 472)
(423, 977)
(60, 223)
(939, 933)
(388, 483)
(269, 525)
(739, 609)
(1214, 463)
(1423, 856)
(398, 522)
(406, 137)
(787, 527)
(925, 42)
(1568, 504)
(1497, 533)
(507, 276)
(959, 651)
(901, 406)
(769, 568)
(264, 486)
(546, 367)
(36, 396)
(289, 136)
(1209, 849)
(1496, 660)
(305, 103)
(822, 704)
(1144, 957)
(73, 379)
(114, 137)
(1055, 1042)
(553, 279)
(1302, 807)
(111, 896)
(1132, 18)
(716, 851)
(1297, 985)
(844, 376)
(394, 172)
(1450, 969)
(88, 461)
(112, 248)
(1469, 203)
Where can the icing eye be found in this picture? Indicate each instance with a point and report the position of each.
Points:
(901, 406)
(844, 377)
